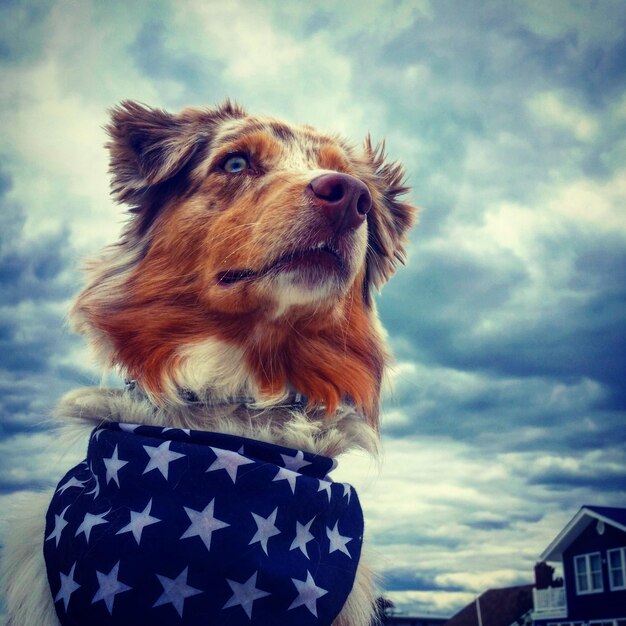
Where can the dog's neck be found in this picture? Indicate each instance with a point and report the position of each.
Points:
(283, 423)
(329, 356)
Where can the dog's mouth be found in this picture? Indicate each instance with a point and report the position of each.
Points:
(320, 260)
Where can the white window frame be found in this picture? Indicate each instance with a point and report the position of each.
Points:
(622, 553)
(587, 560)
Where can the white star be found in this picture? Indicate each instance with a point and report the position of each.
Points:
(295, 463)
(347, 490)
(129, 428)
(203, 523)
(244, 594)
(325, 485)
(96, 489)
(113, 465)
(72, 482)
(337, 541)
(109, 587)
(138, 521)
(303, 536)
(68, 587)
(265, 529)
(89, 521)
(288, 475)
(176, 591)
(308, 594)
(160, 458)
(59, 524)
(229, 461)
(97, 433)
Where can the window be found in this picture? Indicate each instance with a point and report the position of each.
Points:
(588, 569)
(617, 568)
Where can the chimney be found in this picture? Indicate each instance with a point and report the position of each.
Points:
(544, 575)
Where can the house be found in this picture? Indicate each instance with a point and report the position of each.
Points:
(497, 607)
(592, 550)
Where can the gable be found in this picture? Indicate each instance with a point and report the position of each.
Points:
(595, 538)
(607, 517)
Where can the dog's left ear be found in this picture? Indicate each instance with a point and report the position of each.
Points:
(150, 146)
(147, 147)
(390, 218)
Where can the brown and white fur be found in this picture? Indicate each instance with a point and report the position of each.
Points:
(246, 269)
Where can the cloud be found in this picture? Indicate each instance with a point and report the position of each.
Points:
(36, 280)
(444, 603)
(49, 460)
(465, 517)
(187, 73)
(552, 111)
(487, 410)
(22, 26)
(588, 23)
(520, 292)
(601, 469)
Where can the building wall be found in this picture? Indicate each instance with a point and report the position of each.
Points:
(603, 605)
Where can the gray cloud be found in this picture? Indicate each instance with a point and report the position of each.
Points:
(31, 270)
(35, 281)
(407, 578)
(22, 26)
(162, 62)
(580, 335)
(605, 475)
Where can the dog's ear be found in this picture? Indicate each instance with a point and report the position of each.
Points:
(149, 146)
(390, 218)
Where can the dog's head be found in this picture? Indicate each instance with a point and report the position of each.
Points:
(250, 258)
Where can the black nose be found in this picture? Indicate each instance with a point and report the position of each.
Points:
(344, 199)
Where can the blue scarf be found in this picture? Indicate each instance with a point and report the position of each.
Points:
(167, 526)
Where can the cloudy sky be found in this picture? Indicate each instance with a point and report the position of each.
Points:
(508, 405)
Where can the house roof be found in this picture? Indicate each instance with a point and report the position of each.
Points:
(613, 516)
(498, 607)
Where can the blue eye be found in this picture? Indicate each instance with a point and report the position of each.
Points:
(235, 164)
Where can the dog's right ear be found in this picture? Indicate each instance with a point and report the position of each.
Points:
(147, 147)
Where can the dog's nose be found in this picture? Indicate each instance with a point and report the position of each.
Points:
(344, 199)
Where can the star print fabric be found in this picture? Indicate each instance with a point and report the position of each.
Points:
(170, 526)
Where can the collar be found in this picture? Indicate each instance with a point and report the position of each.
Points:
(293, 400)
(182, 526)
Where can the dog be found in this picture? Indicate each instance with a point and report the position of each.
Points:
(239, 305)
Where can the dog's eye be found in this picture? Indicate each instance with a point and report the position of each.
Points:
(236, 163)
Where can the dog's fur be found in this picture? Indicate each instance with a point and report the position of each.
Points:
(228, 284)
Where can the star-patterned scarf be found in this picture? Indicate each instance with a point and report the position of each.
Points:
(167, 526)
